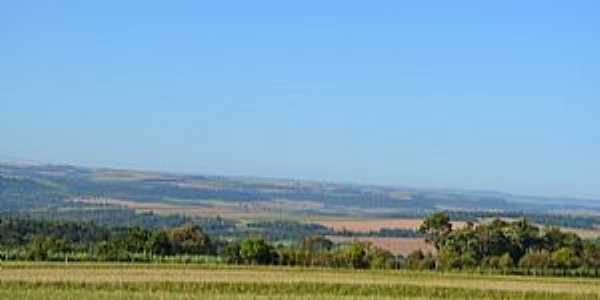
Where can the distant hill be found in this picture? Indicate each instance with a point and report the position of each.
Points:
(35, 187)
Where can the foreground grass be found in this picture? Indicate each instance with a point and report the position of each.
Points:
(123, 281)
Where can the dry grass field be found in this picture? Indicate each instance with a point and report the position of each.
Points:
(126, 281)
(397, 246)
(366, 225)
(584, 233)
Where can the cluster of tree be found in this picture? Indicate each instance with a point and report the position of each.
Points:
(188, 239)
(82, 236)
(504, 245)
(315, 251)
(550, 219)
(40, 240)
(119, 217)
(282, 230)
(559, 220)
(18, 232)
(57, 240)
(291, 230)
(497, 245)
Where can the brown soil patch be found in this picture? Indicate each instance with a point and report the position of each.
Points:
(403, 246)
(368, 225)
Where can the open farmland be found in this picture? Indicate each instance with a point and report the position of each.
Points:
(585, 233)
(228, 210)
(367, 225)
(370, 225)
(111, 281)
(396, 245)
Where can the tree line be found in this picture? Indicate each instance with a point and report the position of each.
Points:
(515, 247)
(43, 240)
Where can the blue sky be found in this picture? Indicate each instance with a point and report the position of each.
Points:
(461, 94)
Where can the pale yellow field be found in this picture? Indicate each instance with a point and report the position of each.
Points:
(165, 278)
(584, 233)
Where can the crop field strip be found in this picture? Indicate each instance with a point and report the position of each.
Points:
(396, 245)
(106, 281)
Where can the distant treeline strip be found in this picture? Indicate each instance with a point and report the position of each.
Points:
(502, 247)
(559, 220)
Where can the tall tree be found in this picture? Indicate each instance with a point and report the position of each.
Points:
(436, 227)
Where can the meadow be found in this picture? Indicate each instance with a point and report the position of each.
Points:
(177, 281)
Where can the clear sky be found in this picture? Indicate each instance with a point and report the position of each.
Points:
(501, 95)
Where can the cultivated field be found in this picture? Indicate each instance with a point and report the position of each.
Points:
(397, 246)
(209, 208)
(360, 225)
(227, 210)
(584, 233)
(111, 281)
(366, 225)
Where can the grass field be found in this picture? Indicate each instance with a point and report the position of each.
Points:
(126, 281)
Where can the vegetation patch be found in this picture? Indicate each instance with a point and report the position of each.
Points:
(177, 281)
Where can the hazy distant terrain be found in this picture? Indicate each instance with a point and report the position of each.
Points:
(281, 210)
(33, 187)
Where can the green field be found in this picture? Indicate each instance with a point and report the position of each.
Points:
(128, 281)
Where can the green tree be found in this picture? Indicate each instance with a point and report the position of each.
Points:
(159, 243)
(316, 244)
(554, 239)
(448, 259)
(436, 227)
(591, 256)
(381, 259)
(135, 239)
(491, 238)
(257, 251)
(231, 253)
(469, 259)
(535, 260)
(42, 247)
(522, 236)
(355, 255)
(112, 250)
(190, 239)
(564, 258)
